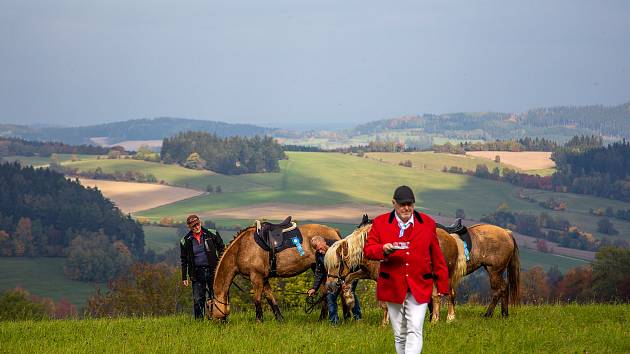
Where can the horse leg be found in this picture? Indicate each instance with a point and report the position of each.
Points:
(435, 308)
(451, 306)
(498, 286)
(323, 315)
(504, 298)
(385, 320)
(257, 285)
(345, 308)
(272, 301)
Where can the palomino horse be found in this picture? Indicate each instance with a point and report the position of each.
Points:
(345, 263)
(243, 256)
(493, 248)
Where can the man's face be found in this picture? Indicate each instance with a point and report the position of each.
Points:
(404, 210)
(195, 227)
(321, 247)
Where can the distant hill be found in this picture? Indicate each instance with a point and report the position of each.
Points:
(137, 129)
(556, 123)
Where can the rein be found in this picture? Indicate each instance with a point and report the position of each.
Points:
(214, 298)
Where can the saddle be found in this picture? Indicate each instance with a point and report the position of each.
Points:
(275, 238)
(460, 230)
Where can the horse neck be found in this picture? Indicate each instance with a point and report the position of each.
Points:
(225, 273)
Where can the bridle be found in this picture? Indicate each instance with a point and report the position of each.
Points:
(212, 305)
(341, 279)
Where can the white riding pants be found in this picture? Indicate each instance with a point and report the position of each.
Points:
(407, 320)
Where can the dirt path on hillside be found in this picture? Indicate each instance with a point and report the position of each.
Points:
(347, 213)
(132, 197)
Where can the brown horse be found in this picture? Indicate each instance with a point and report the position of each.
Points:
(495, 249)
(345, 263)
(243, 256)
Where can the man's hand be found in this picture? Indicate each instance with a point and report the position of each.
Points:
(186, 282)
(311, 292)
(388, 248)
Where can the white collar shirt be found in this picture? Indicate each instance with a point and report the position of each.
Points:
(403, 225)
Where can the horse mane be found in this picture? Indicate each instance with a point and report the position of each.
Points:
(330, 258)
(236, 237)
(460, 266)
(356, 241)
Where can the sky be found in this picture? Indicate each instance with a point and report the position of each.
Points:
(305, 64)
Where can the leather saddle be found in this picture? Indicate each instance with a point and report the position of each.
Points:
(271, 235)
(275, 238)
(460, 230)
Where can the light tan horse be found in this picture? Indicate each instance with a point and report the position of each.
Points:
(345, 263)
(243, 256)
(495, 249)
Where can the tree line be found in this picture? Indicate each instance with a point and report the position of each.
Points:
(514, 145)
(552, 229)
(606, 280)
(156, 290)
(44, 214)
(21, 147)
(586, 167)
(230, 155)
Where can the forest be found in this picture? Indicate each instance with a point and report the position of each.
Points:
(231, 155)
(585, 166)
(44, 214)
(21, 147)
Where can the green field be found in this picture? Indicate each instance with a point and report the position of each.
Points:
(529, 329)
(531, 258)
(43, 276)
(429, 160)
(321, 179)
(37, 161)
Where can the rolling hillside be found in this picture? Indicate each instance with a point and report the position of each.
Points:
(324, 179)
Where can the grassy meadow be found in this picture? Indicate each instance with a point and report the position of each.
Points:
(43, 276)
(529, 329)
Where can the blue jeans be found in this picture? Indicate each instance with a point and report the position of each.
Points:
(200, 286)
(331, 298)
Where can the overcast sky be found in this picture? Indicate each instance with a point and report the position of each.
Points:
(305, 63)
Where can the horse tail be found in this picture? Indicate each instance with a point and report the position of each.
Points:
(460, 266)
(514, 274)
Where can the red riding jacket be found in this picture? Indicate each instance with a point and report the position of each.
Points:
(413, 269)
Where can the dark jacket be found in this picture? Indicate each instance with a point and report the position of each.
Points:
(213, 245)
(319, 269)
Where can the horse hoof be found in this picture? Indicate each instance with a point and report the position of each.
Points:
(450, 318)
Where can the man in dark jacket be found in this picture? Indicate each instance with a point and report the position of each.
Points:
(320, 245)
(200, 252)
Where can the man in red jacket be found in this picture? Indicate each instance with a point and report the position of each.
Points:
(411, 260)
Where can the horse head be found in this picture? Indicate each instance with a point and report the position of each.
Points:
(216, 309)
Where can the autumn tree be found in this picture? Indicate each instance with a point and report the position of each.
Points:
(577, 285)
(534, 286)
(148, 290)
(611, 274)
